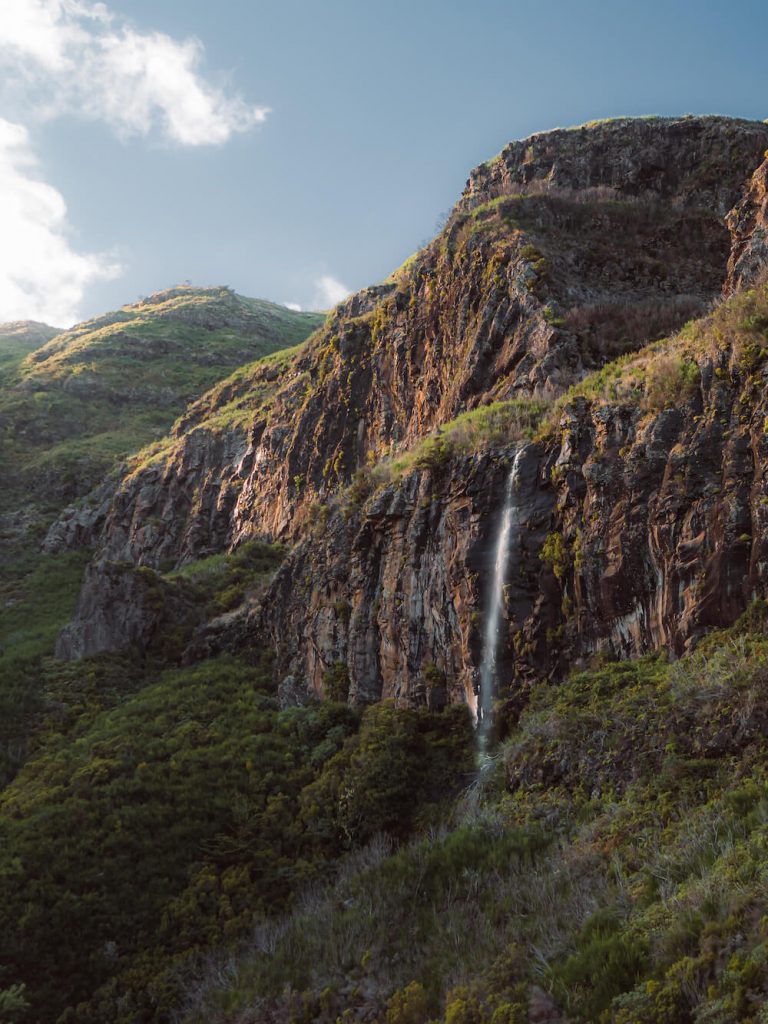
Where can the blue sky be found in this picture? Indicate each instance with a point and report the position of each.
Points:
(136, 150)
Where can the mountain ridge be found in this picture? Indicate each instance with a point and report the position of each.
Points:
(382, 375)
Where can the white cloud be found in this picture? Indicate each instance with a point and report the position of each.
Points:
(293, 305)
(74, 56)
(330, 292)
(41, 276)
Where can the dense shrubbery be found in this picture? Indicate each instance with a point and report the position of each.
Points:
(159, 828)
(38, 595)
(612, 863)
(488, 426)
(398, 768)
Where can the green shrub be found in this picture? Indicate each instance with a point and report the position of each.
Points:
(13, 1003)
(606, 964)
(386, 776)
(554, 554)
(669, 380)
(336, 682)
(408, 1006)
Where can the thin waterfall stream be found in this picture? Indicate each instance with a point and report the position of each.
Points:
(510, 520)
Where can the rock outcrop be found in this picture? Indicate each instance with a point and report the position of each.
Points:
(644, 496)
(748, 224)
(690, 161)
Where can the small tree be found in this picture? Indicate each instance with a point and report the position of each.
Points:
(13, 1003)
(409, 1005)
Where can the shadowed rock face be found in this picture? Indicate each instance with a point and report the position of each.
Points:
(659, 511)
(122, 608)
(664, 517)
(396, 589)
(748, 224)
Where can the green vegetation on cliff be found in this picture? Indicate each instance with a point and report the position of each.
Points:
(733, 340)
(37, 597)
(38, 693)
(76, 406)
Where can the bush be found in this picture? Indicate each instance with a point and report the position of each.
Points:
(13, 1003)
(606, 964)
(387, 776)
(336, 682)
(554, 554)
(669, 380)
(408, 1006)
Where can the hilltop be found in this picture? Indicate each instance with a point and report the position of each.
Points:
(82, 399)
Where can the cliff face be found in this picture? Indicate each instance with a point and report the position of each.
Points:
(663, 513)
(643, 513)
(682, 160)
(522, 294)
(641, 503)
(748, 224)
(395, 591)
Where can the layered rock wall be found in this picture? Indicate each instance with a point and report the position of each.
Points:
(645, 520)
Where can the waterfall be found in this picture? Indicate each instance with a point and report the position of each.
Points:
(510, 519)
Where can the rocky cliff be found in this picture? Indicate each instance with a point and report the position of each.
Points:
(681, 160)
(748, 224)
(523, 293)
(393, 594)
(641, 496)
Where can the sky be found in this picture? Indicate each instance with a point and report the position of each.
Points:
(297, 150)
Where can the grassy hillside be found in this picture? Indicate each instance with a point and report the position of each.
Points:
(73, 406)
(84, 400)
(17, 340)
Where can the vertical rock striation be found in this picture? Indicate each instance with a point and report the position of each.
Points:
(644, 514)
